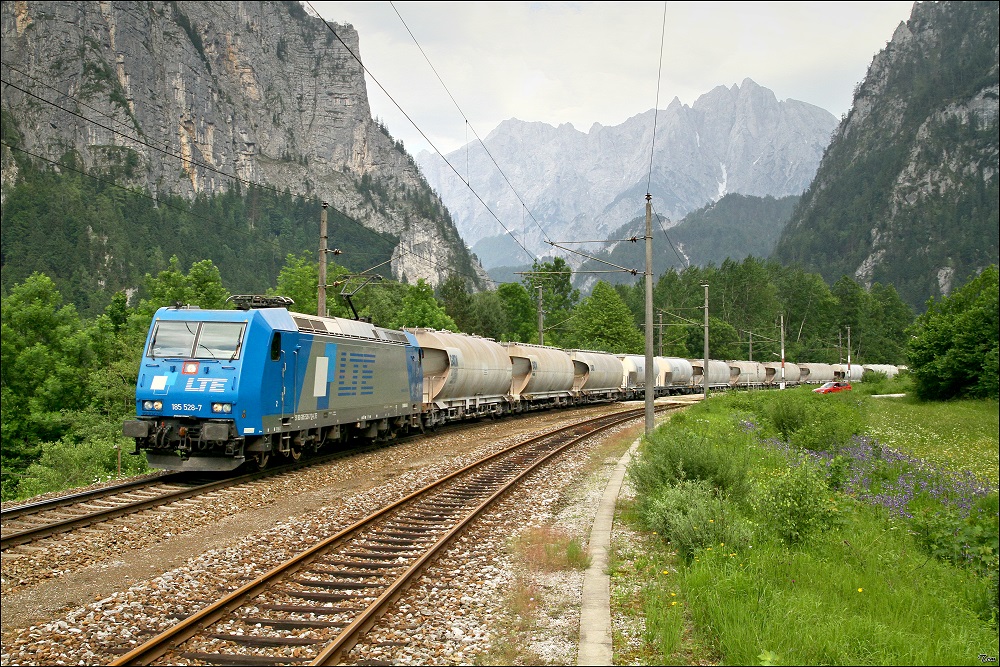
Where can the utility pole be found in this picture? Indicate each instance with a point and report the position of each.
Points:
(782, 385)
(704, 375)
(751, 347)
(321, 296)
(541, 336)
(840, 346)
(661, 335)
(650, 392)
(848, 378)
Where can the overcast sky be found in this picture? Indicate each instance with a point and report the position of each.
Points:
(599, 62)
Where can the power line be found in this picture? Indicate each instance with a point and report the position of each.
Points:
(659, 221)
(195, 163)
(417, 128)
(468, 125)
(656, 107)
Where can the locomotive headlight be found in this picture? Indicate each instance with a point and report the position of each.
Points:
(152, 405)
(227, 408)
(157, 405)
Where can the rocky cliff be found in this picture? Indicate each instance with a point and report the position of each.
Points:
(195, 98)
(907, 192)
(582, 186)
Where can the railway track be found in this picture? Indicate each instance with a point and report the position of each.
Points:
(27, 523)
(315, 606)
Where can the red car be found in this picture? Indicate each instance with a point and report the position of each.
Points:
(832, 387)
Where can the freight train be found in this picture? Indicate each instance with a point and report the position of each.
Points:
(218, 389)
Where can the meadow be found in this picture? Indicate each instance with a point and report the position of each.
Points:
(794, 528)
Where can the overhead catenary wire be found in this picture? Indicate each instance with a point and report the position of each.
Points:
(656, 106)
(194, 163)
(469, 126)
(417, 128)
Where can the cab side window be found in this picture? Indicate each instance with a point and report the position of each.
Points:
(276, 346)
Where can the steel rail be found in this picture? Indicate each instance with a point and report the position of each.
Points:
(12, 537)
(83, 496)
(191, 626)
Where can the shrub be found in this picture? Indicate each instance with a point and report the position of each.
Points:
(797, 501)
(692, 516)
(674, 454)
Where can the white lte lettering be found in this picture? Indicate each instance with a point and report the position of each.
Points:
(200, 384)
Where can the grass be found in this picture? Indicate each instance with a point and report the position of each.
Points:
(959, 436)
(872, 547)
(547, 548)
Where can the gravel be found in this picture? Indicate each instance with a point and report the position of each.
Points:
(145, 571)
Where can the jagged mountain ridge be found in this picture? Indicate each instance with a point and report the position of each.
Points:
(189, 93)
(907, 192)
(578, 185)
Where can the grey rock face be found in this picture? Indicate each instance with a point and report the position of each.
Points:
(200, 95)
(581, 186)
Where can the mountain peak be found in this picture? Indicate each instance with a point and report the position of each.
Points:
(579, 185)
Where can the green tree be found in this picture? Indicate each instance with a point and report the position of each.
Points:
(953, 349)
(522, 321)
(299, 281)
(382, 302)
(488, 317)
(603, 322)
(454, 295)
(51, 373)
(202, 287)
(421, 309)
(559, 297)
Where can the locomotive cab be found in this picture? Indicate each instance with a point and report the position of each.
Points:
(188, 391)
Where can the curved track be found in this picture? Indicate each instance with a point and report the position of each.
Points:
(26, 523)
(314, 607)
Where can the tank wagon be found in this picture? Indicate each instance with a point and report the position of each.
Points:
(597, 376)
(850, 373)
(633, 375)
(774, 373)
(676, 376)
(463, 376)
(816, 373)
(718, 374)
(217, 389)
(746, 374)
(888, 370)
(541, 376)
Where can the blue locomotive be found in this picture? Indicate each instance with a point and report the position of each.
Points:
(218, 388)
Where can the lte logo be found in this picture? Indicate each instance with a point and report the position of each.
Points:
(213, 385)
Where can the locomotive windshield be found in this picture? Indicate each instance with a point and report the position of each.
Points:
(197, 340)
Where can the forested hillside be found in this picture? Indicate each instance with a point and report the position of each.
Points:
(245, 115)
(734, 227)
(907, 192)
(94, 238)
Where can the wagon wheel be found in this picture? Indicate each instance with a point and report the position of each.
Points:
(259, 460)
(295, 452)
